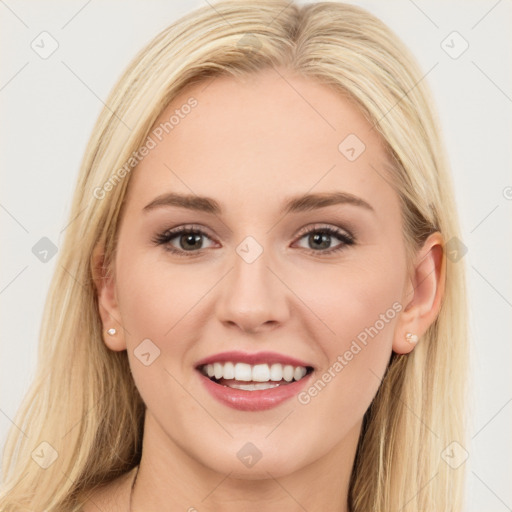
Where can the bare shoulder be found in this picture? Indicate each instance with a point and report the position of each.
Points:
(111, 497)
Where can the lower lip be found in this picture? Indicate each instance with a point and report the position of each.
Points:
(257, 400)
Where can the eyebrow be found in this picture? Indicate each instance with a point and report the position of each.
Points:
(295, 204)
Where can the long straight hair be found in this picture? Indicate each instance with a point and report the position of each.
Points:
(83, 404)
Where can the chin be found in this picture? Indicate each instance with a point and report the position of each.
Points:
(247, 462)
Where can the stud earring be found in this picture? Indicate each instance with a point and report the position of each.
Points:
(111, 331)
(411, 338)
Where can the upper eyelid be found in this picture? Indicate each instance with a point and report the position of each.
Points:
(319, 226)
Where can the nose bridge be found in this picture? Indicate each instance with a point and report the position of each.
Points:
(252, 295)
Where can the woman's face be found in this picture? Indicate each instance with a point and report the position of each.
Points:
(323, 282)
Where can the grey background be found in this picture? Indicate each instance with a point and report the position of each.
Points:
(49, 107)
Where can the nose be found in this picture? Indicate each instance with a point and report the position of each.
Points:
(253, 298)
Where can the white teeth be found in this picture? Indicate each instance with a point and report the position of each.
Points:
(243, 372)
(218, 370)
(276, 372)
(288, 373)
(299, 372)
(256, 373)
(229, 371)
(260, 373)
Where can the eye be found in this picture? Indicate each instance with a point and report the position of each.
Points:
(321, 237)
(188, 238)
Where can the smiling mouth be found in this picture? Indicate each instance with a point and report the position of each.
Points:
(253, 377)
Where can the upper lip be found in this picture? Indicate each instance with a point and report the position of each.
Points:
(252, 359)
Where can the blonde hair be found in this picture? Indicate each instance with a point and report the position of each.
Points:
(83, 400)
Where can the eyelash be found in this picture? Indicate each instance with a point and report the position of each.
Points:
(165, 237)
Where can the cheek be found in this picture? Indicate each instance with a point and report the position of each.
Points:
(163, 303)
(360, 304)
(158, 306)
(353, 296)
(155, 296)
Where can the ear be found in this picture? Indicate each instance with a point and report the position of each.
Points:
(104, 281)
(423, 295)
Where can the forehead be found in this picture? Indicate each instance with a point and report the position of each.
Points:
(269, 134)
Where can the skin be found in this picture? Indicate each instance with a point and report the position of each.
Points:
(250, 145)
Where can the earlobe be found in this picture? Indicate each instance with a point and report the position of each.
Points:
(424, 295)
(113, 333)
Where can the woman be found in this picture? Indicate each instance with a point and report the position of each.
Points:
(253, 307)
